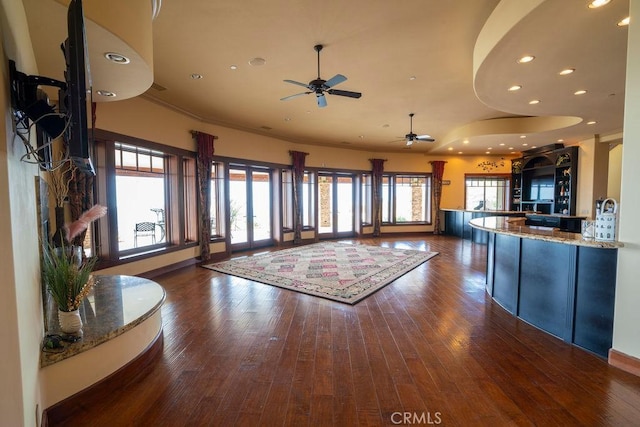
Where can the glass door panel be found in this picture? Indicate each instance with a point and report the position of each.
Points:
(325, 204)
(238, 206)
(335, 205)
(261, 206)
(250, 207)
(344, 212)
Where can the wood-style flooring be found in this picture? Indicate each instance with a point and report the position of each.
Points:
(431, 348)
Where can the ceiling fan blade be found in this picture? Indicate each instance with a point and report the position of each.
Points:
(427, 138)
(344, 93)
(335, 80)
(286, 98)
(322, 100)
(297, 83)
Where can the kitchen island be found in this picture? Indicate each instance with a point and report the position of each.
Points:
(554, 280)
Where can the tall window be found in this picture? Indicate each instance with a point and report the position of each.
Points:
(150, 192)
(140, 196)
(287, 199)
(216, 193)
(406, 198)
(308, 200)
(487, 192)
(366, 204)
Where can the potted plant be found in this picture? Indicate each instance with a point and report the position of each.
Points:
(67, 274)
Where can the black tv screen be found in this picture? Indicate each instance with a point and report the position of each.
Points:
(75, 98)
(542, 188)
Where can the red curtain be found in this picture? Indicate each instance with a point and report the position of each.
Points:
(297, 171)
(204, 160)
(437, 168)
(377, 168)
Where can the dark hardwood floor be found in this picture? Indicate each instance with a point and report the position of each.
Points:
(430, 348)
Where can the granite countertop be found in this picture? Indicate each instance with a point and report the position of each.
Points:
(115, 305)
(516, 227)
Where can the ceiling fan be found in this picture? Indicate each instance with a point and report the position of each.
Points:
(411, 137)
(320, 86)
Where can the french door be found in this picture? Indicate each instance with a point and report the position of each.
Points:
(335, 205)
(250, 220)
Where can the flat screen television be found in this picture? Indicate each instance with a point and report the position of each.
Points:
(541, 188)
(29, 103)
(75, 96)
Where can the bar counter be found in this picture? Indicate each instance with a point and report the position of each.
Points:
(554, 280)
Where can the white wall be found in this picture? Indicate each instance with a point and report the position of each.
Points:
(626, 328)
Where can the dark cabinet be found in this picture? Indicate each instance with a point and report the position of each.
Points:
(547, 181)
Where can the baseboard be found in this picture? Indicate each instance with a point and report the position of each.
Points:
(64, 411)
(624, 361)
(168, 268)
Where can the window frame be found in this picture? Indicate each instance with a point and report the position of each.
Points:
(105, 244)
(506, 178)
(390, 194)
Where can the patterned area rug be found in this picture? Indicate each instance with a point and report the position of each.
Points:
(339, 271)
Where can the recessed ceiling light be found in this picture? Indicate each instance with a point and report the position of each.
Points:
(502, 144)
(466, 141)
(534, 146)
(361, 136)
(196, 76)
(256, 62)
(412, 78)
(106, 93)
(490, 148)
(561, 140)
(459, 152)
(566, 71)
(450, 148)
(597, 3)
(592, 122)
(523, 136)
(510, 148)
(624, 22)
(234, 67)
(117, 58)
(487, 152)
(580, 92)
(526, 58)
(524, 144)
(534, 101)
(515, 88)
(287, 119)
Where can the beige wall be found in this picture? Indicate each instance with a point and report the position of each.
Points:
(615, 172)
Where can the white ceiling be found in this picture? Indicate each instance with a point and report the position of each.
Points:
(459, 92)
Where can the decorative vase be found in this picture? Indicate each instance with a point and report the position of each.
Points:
(70, 321)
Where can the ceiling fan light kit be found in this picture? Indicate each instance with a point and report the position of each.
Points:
(320, 87)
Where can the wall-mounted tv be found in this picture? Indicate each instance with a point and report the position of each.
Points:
(71, 121)
(75, 98)
(541, 188)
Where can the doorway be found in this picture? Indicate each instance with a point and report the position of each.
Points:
(335, 205)
(250, 221)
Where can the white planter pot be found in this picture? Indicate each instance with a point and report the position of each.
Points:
(70, 321)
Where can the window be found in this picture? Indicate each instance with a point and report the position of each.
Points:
(287, 199)
(150, 192)
(366, 203)
(487, 192)
(140, 196)
(216, 193)
(406, 199)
